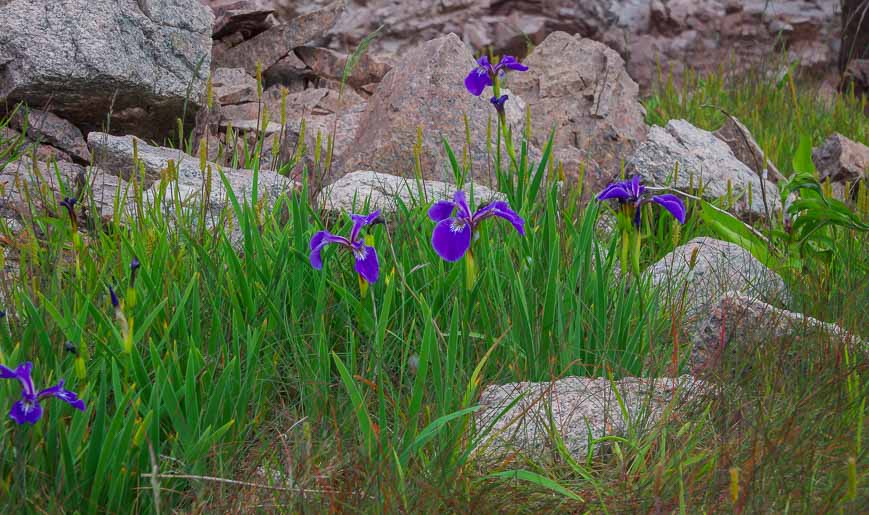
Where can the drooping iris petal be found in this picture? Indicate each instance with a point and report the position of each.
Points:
(503, 210)
(673, 204)
(616, 190)
(510, 63)
(441, 210)
(366, 263)
(58, 391)
(26, 412)
(477, 80)
(320, 240)
(360, 221)
(7, 373)
(451, 238)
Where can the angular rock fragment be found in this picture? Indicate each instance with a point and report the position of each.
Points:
(53, 130)
(842, 161)
(330, 64)
(745, 148)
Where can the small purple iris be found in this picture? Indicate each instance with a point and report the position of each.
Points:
(485, 73)
(28, 409)
(452, 235)
(499, 103)
(367, 265)
(630, 195)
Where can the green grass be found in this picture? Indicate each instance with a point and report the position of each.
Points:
(247, 365)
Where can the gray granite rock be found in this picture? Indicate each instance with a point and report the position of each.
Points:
(388, 192)
(841, 160)
(575, 408)
(739, 322)
(700, 157)
(48, 128)
(139, 59)
(690, 292)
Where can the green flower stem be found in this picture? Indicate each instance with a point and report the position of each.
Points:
(470, 271)
(505, 130)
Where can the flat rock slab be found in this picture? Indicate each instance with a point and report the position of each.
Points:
(81, 59)
(575, 408)
(739, 322)
(388, 192)
(690, 292)
(682, 156)
(53, 130)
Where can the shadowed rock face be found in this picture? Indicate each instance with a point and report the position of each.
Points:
(82, 59)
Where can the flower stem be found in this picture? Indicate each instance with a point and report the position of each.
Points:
(470, 271)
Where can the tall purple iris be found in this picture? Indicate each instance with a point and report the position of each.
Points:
(28, 409)
(452, 235)
(630, 194)
(366, 256)
(485, 73)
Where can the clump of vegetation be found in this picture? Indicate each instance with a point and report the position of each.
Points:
(227, 376)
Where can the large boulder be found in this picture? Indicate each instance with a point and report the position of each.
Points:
(683, 157)
(739, 323)
(389, 192)
(424, 91)
(692, 278)
(142, 61)
(580, 87)
(523, 417)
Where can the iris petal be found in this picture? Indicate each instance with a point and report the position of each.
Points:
(320, 240)
(451, 238)
(59, 392)
(25, 412)
(509, 62)
(673, 204)
(461, 202)
(360, 221)
(503, 210)
(616, 190)
(441, 210)
(477, 80)
(366, 263)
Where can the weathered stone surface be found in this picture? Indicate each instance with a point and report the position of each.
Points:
(576, 408)
(330, 64)
(581, 87)
(745, 148)
(290, 72)
(26, 146)
(745, 322)
(718, 267)
(240, 17)
(388, 192)
(424, 91)
(24, 187)
(53, 130)
(857, 76)
(270, 46)
(85, 58)
(841, 160)
(233, 86)
(700, 156)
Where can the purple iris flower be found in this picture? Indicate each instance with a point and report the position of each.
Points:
(484, 74)
(630, 193)
(452, 235)
(366, 256)
(28, 410)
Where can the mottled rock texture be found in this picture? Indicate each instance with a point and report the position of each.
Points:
(682, 156)
(141, 60)
(356, 190)
(575, 408)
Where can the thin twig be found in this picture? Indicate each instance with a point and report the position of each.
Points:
(303, 491)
